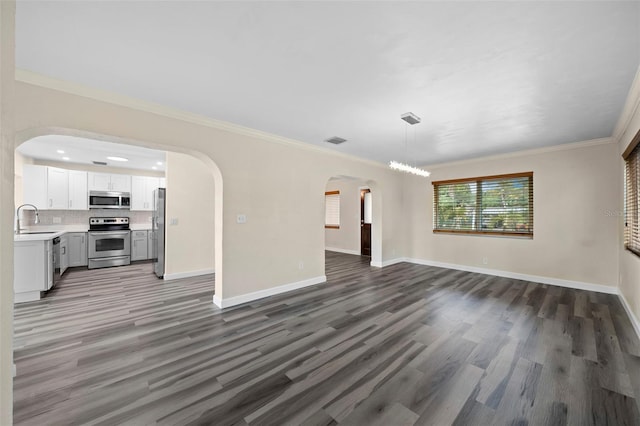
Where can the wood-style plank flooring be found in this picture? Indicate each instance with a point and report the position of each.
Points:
(402, 345)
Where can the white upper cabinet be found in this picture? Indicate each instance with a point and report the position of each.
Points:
(34, 186)
(99, 181)
(78, 197)
(138, 185)
(57, 188)
(109, 182)
(52, 188)
(142, 188)
(121, 183)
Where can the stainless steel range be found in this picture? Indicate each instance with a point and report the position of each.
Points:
(109, 242)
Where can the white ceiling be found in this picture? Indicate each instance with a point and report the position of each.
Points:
(85, 151)
(485, 77)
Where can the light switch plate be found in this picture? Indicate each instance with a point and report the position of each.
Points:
(242, 218)
(173, 221)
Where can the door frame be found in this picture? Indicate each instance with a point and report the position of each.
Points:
(363, 190)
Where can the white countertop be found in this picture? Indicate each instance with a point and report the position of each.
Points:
(53, 231)
(18, 238)
(140, 226)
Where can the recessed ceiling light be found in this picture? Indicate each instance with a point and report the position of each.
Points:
(154, 168)
(65, 158)
(117, 159)
(60, 151)
(159, 163)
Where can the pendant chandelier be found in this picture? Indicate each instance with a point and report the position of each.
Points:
(409, 118)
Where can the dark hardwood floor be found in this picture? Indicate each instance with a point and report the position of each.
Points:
(402, 345)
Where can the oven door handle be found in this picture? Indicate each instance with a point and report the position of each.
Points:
(101, 234)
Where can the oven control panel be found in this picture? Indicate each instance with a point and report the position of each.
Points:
(109, 221)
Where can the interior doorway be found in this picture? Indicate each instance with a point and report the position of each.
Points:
(353, 208)
(366, 206)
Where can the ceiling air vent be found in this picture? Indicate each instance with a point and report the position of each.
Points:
(99, 163)
(336, 140)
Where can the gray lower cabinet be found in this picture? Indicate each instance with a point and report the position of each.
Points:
(64, 253)
(77, 249)
(139, 245)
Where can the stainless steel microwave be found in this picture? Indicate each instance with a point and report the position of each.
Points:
(109, 200)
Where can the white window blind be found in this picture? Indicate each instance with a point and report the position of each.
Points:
(495, 205)
(332, 209)
(632, 198)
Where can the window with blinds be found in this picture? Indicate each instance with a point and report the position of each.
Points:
(332, 209)
(494, 205)
(632, 194)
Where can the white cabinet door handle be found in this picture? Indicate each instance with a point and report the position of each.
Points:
(50, 202)
(70, 203)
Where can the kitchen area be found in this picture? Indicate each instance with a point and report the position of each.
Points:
(86, 219)
(127, 209)
(85, 204)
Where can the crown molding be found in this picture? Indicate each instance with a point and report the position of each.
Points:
(525, 153)
(35, 79)
(631, 107)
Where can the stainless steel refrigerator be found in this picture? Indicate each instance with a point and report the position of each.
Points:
(158, 226)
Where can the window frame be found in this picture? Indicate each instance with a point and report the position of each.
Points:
(478, 206)
(631, 157)
(331, 226)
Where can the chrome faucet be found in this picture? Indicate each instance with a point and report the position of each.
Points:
(18, 216)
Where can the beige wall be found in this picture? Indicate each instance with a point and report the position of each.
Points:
(19, 161)
(575, 229)
(7, 136)
(190, 243)
(347, 237)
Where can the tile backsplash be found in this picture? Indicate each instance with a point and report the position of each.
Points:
(80, 217)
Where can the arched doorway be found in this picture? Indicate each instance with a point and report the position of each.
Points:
(203, 159)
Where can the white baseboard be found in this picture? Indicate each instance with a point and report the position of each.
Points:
(388, 262)
(250, 297)
(345, 251)
(632, 317)
(518, 276)
(188, 274)
(28, 296)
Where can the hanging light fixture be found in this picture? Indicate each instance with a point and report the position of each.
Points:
(411, 119)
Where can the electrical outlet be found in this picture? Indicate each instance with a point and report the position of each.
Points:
(150, 219)
(56, 220)
(173, 221)
(301, 265)
(242, 218)
(485, 260)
